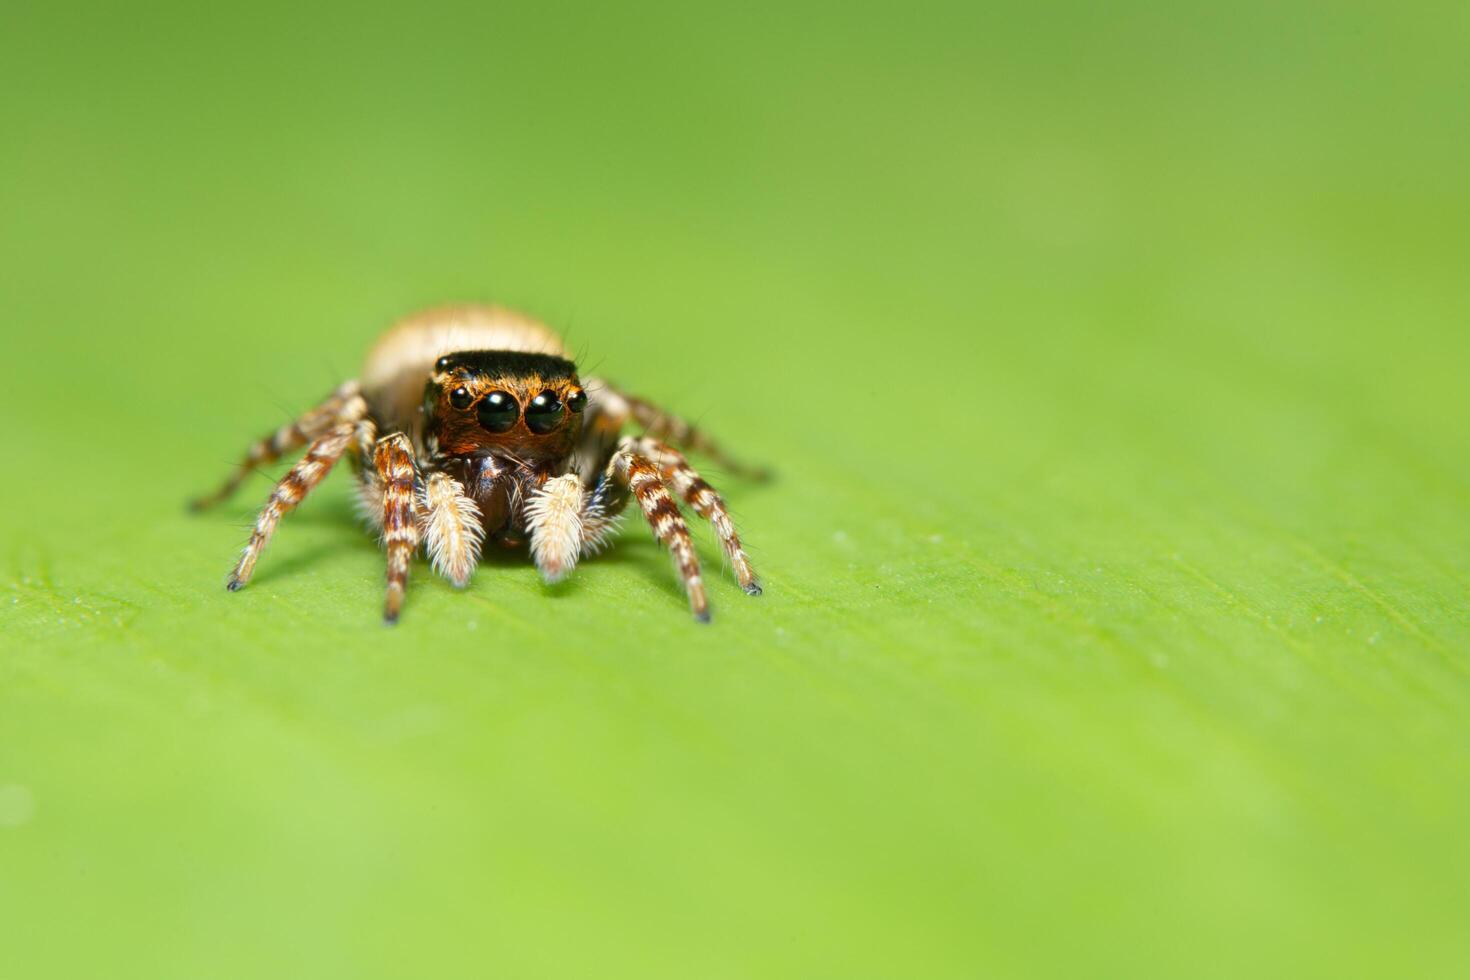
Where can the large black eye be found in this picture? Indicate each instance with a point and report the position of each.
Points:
(443, 363)
(498, 411)
(460, 398)
(544, 412)
(577, 400)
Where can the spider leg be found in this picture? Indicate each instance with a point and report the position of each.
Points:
(290, 491)
(554, 519)
(707, 503)
(609, 410)
(344, 404)
(603, 507)
(393, 460)
(630, 473)
(449, 522)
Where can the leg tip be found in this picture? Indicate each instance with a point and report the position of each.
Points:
(753, 588)
(392, 604)
(702, 616)
(234, 585)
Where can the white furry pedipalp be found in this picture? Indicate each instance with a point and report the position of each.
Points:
(554, 518)
(451, 528)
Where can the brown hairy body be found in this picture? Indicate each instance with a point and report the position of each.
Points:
(469, 424)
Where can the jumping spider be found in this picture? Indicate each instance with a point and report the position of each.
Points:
(470, 425)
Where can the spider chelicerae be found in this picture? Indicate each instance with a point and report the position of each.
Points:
(470, 425)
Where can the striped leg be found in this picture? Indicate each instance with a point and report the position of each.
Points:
(344, 404)
(631, 469)
(289, 492)
(707, 503)
(393, 461)
(610, 409)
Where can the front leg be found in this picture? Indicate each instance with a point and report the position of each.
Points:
(630, 472)
(394, 465)
(707, 503)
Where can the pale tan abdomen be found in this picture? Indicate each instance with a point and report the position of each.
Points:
(402, 360)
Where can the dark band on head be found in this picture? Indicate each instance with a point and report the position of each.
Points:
(506, 363)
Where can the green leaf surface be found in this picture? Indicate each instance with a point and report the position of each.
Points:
(1112, 360)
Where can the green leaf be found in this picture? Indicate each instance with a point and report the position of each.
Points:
(1112, 363)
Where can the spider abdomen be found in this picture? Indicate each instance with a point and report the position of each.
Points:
(397, 366)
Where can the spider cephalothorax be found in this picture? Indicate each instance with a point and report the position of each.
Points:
(469, 424)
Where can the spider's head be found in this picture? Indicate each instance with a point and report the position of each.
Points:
(527, 405)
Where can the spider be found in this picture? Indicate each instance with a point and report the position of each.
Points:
(470, 425)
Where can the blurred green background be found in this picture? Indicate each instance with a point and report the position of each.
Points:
(1113, 358)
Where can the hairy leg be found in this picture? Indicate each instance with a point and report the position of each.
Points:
(707, 503)
(554, 518)
(343, 405)
(611, 409)
(450, 524)
(603, 508)
(393, 461)
(290, 491)
(631, 474)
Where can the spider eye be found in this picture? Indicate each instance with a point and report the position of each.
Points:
(460, 398)
(443, 363)
(498, 411)
(544, 412)
(577, 400)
